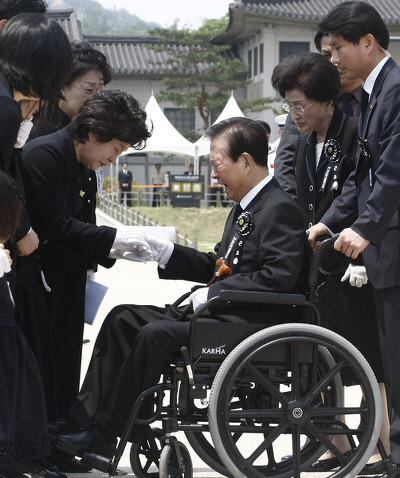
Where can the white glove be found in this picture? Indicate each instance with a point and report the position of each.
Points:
(357, 275)
(161, 249)
(5, 265)
(198, 297)
(129, 238)
(90, 275)
(23, 133)
(138, 254)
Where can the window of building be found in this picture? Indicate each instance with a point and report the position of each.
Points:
(255, 61)
(261, 58)
(180, 121)
(287, 48)
(250, 62)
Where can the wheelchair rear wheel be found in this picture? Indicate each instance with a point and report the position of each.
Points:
(291, 406)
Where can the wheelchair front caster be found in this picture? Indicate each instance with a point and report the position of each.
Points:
(175, 461)
(145, 454)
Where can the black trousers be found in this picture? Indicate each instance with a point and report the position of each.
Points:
(133, 347)
(388, 311)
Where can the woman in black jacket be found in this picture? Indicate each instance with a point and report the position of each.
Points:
(325, 157)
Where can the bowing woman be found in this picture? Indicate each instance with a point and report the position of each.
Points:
(54, 169)
(325, 157)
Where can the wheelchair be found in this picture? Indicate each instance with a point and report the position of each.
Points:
(256, 401)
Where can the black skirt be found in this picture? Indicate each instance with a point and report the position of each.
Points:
(23, 421)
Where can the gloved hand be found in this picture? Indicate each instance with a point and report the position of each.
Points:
(90, 274)
(161, 249)
(138, 254)
(129, 238)
(357, 275)
(5, 265)
(198, 297)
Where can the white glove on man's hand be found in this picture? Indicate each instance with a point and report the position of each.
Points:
(357, 275)
(137, 254)
(198, 297)
(5, 265)
(161, 249)
(129, 238)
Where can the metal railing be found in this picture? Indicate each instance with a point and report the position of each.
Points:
(130, 217)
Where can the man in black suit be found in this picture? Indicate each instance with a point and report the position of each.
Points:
(125, 184)
(359, 39)
(137, 342)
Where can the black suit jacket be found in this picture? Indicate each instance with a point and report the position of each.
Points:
(272, 256)
(125, 178)
(376, 198)
(317, 188)
(55, 194)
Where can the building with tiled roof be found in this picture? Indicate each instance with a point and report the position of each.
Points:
(266, 32)
(262, 32)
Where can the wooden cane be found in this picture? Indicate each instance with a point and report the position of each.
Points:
(223, 268)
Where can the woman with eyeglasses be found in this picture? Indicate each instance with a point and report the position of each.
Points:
(325, 157)
(90, 73)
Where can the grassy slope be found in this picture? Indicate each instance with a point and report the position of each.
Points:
(206, 224)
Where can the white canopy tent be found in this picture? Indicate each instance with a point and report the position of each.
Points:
(164, 136)
(202, 145)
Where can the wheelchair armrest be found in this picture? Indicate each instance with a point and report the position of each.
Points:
(252, 297)
(261, 297)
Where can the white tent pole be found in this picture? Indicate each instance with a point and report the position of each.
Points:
(196, 160)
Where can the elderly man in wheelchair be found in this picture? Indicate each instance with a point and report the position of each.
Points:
(282, 383)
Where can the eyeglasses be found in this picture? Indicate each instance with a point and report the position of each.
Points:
(297, 109)
(88, 91)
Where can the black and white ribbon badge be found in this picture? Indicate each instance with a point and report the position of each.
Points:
(244, 226)
(332, 152)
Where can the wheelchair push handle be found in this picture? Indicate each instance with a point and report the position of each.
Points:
(317, 258)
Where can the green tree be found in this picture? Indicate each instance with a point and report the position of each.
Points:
(201, 74)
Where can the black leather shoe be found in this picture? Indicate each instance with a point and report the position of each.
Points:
(72, 465)
(88, 440)
(60, 427)
(45, 473)
(324, 465)
(372, 469)
(395, 474)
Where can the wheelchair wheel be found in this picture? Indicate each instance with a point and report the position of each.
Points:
(145, 454)
(172, 466)
(202, 443)
(295, 407)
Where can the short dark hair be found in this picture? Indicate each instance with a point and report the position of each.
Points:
(10, 207)
(111, 114)
(244, 135)
(311, 73)
(265, 125)
(35, 56)
(10, 8)
(318, 39)
(88, 58)
(353, 20)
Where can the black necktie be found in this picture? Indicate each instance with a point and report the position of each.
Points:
(364, 105)
(237, 212)
(347, 107)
